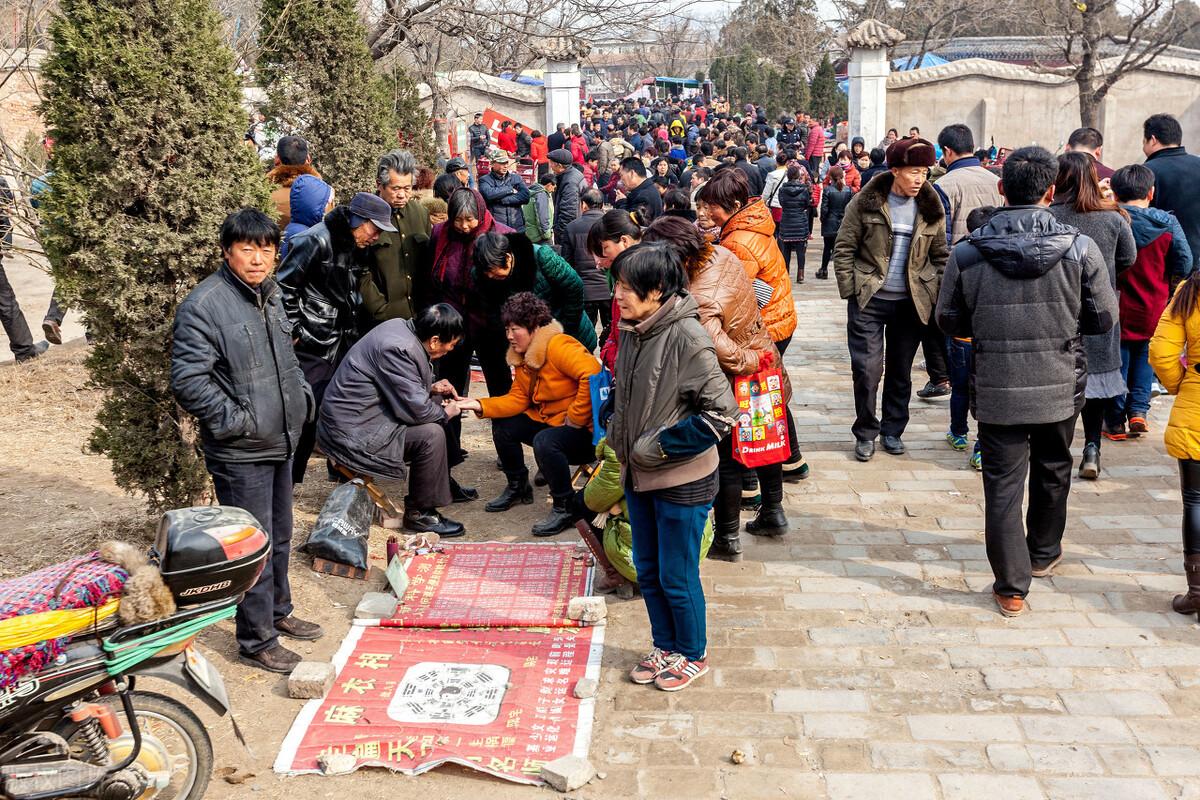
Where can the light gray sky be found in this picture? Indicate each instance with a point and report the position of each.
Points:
(717, 8)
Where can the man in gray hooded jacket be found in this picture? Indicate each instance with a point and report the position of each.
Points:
(1026, 288)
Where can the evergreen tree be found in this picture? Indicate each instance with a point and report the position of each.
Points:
(827, 98)
(143, 103)
(413, 125)
(794, 93)
(321, 83)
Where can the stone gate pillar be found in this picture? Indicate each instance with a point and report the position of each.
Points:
(561, 78)
(868, 44)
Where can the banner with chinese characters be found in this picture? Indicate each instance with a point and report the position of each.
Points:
(499, 701)
(493, 585)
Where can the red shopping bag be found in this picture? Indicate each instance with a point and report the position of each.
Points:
(760, 436)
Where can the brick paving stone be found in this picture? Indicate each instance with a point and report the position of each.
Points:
(1072, 730)
(972, 786)
(1117, 704)
(964, 728)
(856, 786)
(789, 701)
(1104, 789)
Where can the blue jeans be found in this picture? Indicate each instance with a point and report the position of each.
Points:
(960, 384)
(1135, 369)
(666, 554)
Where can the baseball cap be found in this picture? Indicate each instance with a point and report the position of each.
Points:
(373, 207)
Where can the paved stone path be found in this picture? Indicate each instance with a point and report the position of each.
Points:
(861, 656)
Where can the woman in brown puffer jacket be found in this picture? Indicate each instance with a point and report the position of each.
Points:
(718, 282)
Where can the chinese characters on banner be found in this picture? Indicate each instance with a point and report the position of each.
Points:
(500, 701)
(481, 585)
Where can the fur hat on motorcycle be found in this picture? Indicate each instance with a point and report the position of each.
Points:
(145, 596)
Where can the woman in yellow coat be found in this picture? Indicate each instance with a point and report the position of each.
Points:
(1175, 357)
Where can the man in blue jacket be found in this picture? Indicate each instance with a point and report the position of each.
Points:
(505, 193)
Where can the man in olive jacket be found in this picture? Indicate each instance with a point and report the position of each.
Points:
(391, 283)
(233, 368)
(889, 256)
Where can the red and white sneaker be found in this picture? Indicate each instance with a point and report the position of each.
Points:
(680, 672)
(650, 666)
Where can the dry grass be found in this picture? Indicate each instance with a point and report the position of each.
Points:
(56, 499)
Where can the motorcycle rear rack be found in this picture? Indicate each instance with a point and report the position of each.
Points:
(137, 643)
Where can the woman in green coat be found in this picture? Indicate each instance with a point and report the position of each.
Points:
(508, 263)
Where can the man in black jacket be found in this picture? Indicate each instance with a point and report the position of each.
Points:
(753, 174)
(1025, 287)
(320, 280)
(568, 187)
(233, 368)
(597, 297)
(640, 196)
(1176, 175)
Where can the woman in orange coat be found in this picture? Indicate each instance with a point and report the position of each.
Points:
(748, 230)
(549, 407)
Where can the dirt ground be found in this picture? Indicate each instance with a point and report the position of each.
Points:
(56, 499)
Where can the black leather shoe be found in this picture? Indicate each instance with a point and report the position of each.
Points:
(432, 522)
(295, 628)
(462, 494)
(559, 520)
(770, 521)
(37, 350)
(273, 659)
(934, 391)
(864, 449)
(539, 479)
(518, 491)
(893, 445)
(726, 548)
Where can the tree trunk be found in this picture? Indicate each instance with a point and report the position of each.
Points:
(1089, 104)
(1085, 75)
(441, 126)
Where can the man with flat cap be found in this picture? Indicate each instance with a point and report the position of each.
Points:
(458, 168)
(319, 280)
(568, 187)
(889, 256)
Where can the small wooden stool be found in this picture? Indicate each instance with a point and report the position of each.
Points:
(377, 495)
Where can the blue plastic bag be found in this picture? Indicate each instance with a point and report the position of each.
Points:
(600, 386)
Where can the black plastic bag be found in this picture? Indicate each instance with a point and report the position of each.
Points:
(343, 526)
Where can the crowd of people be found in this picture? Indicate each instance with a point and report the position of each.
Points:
(649, 254)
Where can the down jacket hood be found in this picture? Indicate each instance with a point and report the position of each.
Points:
(1024, 241)
(309, 196)
(1148, 224)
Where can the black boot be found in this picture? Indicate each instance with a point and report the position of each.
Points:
(561, 517)
(751, 496)
(1189, 603)
(769, 521)
(462, 494)
(823, 273)
(518, 490)
(1089, 466)
(726, 546)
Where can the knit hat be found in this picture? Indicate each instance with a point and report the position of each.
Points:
(561, 156)
(911, 153)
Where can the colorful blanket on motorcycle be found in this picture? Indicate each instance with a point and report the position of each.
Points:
(79, 583)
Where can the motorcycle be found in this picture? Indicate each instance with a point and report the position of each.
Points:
(81, 727)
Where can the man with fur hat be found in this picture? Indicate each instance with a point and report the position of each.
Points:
(292, 160)
(888, 257)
